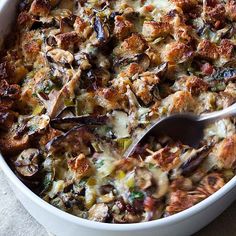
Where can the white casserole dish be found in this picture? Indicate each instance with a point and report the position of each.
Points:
(64, 224)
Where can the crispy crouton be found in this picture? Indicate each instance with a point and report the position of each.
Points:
(208, 50)
(132, 69)
(177, 52)
(185, 4)
(10, 145)
(40, 7)
(80, 166)
(153, 29)
(226, 152)
(226, 49)
(25, 19)
(82, 28)
(31, 46)
(135, 44)
(67, 40)
(181, 101)
(215, 15)
(230, 7)
(194, 84)
(123, 27)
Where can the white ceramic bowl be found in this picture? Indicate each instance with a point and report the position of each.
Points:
(64, 224)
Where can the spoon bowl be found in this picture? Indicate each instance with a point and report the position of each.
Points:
(185, 127)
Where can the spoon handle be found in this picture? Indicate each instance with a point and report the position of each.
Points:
(214, 116)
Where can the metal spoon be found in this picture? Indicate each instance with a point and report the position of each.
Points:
(187, 128)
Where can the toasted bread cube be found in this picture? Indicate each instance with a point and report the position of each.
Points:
(208, 50)
(230, 7)
(40, 7)
(153, 29)
(123, 27)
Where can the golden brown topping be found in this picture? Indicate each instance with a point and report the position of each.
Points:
(80, 166)
(142, 86)
(31, 46)
(49, 135)
(182, 183)
(226, 152)
(208, 50)
(80, 79)
(134, 44)
(230, 8)
(11, 145)
(82, 28)
(123, 27)
(132, 69)
(185, 4)
(67, 40)
(210, 184)
(179, 102)
(226, 49)
(99, 212)
(40, 7)
(25, 19)
(167, 158)
(214, 13)
(180, 200)
(153, 29)
(195, 85)
(177, 52)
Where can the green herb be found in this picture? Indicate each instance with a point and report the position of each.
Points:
(136, 195)
(82, 182)
(46, 87)
(47, 181)
(33, 128)
(151, 166)
(99, 163)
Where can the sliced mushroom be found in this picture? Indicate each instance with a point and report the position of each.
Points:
(99, 212)
(102, 31)
(143, 178)
(223, 75)
(161, 69)
(132, 218)
(11, 144)
(142, 59)
(55, 103)
(27, 163)
(193, 162)
(69, 122)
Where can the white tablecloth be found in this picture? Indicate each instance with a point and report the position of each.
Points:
(15, 220)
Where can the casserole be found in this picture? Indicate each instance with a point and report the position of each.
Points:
(152, 227)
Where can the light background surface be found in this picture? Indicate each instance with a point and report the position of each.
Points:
(15, 221)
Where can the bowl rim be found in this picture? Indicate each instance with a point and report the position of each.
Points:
(170, 220)
(174, 219)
